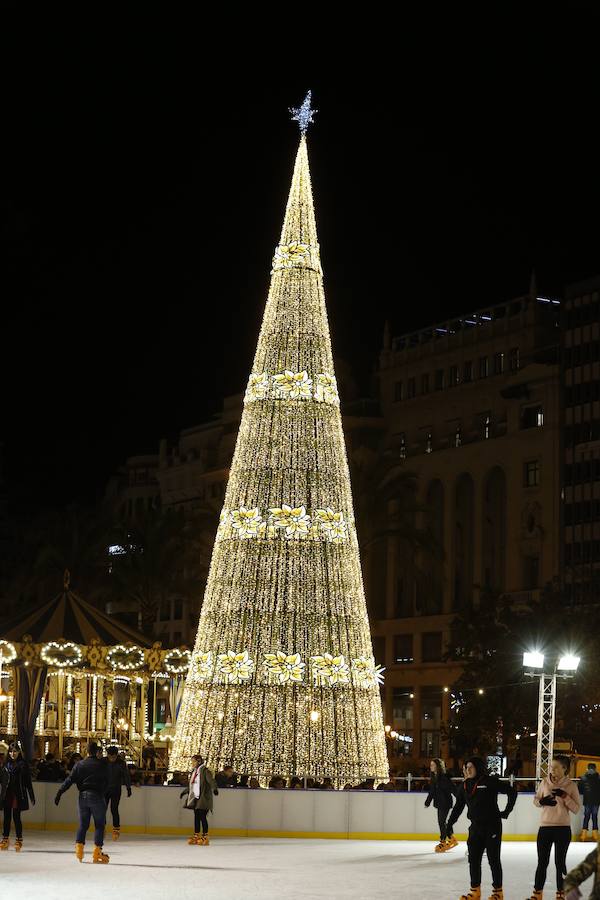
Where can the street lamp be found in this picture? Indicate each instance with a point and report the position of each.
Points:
(533, 661)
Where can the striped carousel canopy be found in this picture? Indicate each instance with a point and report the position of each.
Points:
(72, 619)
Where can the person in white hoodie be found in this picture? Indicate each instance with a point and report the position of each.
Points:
(199, 797)
(557, 796)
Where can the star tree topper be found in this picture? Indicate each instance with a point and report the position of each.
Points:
(303, 115)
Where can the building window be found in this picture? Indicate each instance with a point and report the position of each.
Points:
(513, 359)
(531, 572)
(487, 428)
(498, 363)
(379, 650)
(402, 720)
(429, 442)
(411, 388)
(431, 646)
(165, 610)
(457, 436)
(484, 366)
(431, 720)
(178, 609)
(532, 473)
(403, 649)
(468, 371)
(425, 383)
(532, 416)
(403, 602)
(398, 391)
(439, 379)
(453, 376)
(402, 446)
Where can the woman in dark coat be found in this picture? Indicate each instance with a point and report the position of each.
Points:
(441, 791)
(199, 797)
(16, 798)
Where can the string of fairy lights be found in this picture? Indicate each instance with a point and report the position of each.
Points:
(282, 677)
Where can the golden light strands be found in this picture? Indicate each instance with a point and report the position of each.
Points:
(282, 678)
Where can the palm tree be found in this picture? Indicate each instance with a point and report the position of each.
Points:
(160, 559)
(76, 539)
(385, 494)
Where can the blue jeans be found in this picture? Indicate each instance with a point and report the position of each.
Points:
(91, 804)
(590, 811)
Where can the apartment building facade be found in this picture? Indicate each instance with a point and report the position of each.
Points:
(472, 407)
(581, 447)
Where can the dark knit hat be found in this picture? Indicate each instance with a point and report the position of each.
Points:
(479, 765)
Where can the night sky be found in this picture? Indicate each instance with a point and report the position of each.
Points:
(143, 196)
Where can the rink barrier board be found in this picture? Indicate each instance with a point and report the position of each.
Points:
(339, 815)
(266, 833)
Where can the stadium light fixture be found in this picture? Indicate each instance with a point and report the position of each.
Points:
(568, 663)
(533, 659)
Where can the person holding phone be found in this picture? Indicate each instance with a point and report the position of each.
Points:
(557, 797)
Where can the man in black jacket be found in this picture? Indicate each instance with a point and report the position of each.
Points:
(118, 776)
(91, 777)
(589, 788)
(4, 779)
(479, 793)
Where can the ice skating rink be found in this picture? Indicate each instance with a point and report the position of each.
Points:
(155, 868)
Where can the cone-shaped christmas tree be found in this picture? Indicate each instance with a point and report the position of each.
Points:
(282, 679)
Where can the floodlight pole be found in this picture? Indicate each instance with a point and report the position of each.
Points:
(545, 729)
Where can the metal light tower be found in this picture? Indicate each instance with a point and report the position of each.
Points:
(566, 666)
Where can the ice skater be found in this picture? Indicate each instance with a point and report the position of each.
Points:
(18, 790)
(589, 787)
(118, 777)
(441, 792)
(558, 797)
(479, 793)
(199, 797)
(91, 777)
(4, 777)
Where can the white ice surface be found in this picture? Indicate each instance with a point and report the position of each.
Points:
(152, 867)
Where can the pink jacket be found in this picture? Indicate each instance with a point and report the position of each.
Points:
(570, 803)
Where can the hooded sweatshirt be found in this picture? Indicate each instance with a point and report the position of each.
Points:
(570, 803)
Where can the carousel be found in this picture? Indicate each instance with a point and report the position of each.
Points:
(69, 672)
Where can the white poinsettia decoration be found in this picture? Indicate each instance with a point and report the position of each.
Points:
(330, 670)
(258, 388)
(365, 673)
(290, 385)
(294, 521)
(235, 668)
(283, 668)
(201, 666)
(246, 522)
(332, 525)
(326, 389)
(289, 255)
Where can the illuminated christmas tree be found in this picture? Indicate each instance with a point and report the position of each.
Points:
(282, 679)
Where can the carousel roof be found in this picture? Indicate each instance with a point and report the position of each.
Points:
(71, 618)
